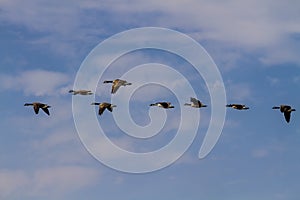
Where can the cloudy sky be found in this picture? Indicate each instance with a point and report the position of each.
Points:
(255, 45)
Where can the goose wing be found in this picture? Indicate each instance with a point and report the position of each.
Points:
(164, 104)
(82, 92)
(115, 88)
(195, 101)
(101, 110)
(36, 108)
(109, 108)
(238, 106)
(122, 82)
(284, 108)
(287, 116)
(45, 109)
(116, 85)
(86, 92)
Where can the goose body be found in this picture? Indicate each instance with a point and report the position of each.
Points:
(238, 106)
(164, 105)
(37, 106)
(286, 110)
(103, 106)
(195, 103)
(116, 84)
(81, 92)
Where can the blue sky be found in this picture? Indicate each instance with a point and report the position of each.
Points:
(255, 45)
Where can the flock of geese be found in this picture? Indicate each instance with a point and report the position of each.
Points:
(117, 83)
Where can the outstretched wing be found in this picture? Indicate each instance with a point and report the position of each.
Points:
(284, 108)
(163, 104)
(109, 108)
(86, 92)
(36, 108)
(46, 111)
(115, 87)
(287, 116)
(238, 106)
(195, 101)
(101, 109)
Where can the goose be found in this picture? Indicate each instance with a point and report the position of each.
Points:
(286, 110)
(81, 92)
(116, 84)
(103, 106)
(195, 103)
(164, 105)
(37, 106)
(238, 106)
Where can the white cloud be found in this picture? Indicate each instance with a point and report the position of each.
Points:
(42, 16)
(60, 137)
(273, 80)
(34, 82)
(267, 27)
(238, 92)
(64, 179)
(260, 153)
(58, 23)
(223, 21)
(296, 79)
(57, 181)
(281, 54)
(12, 182)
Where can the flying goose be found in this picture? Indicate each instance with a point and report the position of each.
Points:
(37, 106)
(116, 84)
(81, 92)
(195, 103)
(165, 105)
(286, 110)
(238, 106)
(103, 106)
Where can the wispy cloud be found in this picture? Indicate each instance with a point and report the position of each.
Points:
(227, 23)
(64, 178)
(47, 156)
(34, 82)
(238, 92)
(260, 153)
(12, 181)
(57, 181)
(273, 80)
(269, 27)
